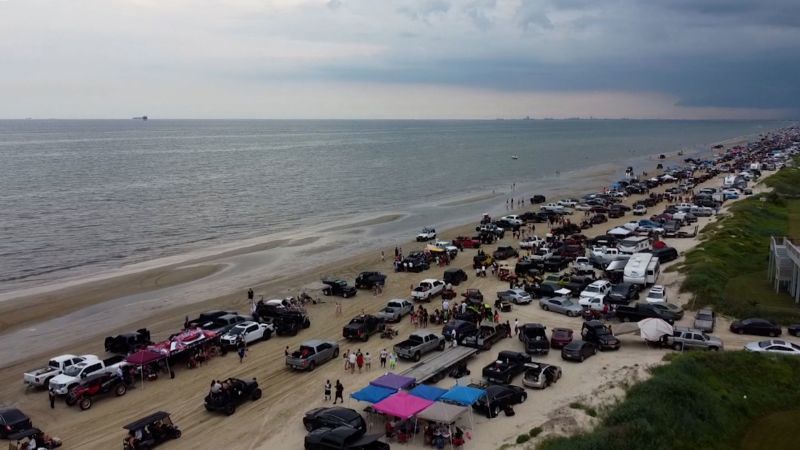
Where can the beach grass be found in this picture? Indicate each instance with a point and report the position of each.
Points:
(705, 400)
(728, 270)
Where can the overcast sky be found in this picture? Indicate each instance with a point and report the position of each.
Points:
(400, 58)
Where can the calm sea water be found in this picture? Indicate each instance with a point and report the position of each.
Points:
(83, 196)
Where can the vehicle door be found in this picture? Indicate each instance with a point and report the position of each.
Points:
(323, 352)
(88, 370)
(780, 349)
(251, 333)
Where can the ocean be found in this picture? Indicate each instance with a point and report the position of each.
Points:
(92, 196)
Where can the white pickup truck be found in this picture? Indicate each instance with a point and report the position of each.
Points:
(73, 375)
(56, 366)
(427, 289)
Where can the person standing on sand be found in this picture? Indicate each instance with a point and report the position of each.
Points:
(392, 361)
(359, 360)
(241, 349)
(327, 390)
(384, 355)
(516, 327)
(352, 362)
(52, 397)
(346, 359)
(339, 392)
(368, 361)
(250, 294)
(286, 351)
(383, 256)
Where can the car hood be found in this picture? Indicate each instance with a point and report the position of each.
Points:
(60, 379)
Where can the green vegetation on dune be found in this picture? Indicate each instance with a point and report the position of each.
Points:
(728, 270)
(702, 400)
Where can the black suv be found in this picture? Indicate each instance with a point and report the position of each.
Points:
(12, 421)
(499, 397)
(622, 294)
(332, 418)
(368, 280)
(600, 335)
(338, 287)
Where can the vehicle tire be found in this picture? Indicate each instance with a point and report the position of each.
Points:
(523, 397)
(120, 390)
(309, 426)
(570, 314)
(582, 358)
(85, 403)
(677, 346)
(267, 334)
(177, 434)
(255, 395)
(441, 345)
(345, 295)
(326, 292)
(545, 307)
(626, 319)
(594, 351)
(740, 331)
(306, 323)
(336, 353)
(70, 400)
(494, 412)
(229, 410)
(773, 334)
(416, 356)
(312, 366)
(71, 387)
(713, 348)
(208, 408)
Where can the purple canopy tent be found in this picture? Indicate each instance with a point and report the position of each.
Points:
(393, 381)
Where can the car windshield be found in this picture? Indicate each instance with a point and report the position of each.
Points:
(764, 344)
(656, 294)
(591, 288)
(704, 317)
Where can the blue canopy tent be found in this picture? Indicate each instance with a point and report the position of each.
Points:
(372, 394)
(462, 395)
(432, 393)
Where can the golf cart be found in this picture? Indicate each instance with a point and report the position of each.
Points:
(21, 440)
(150, 431)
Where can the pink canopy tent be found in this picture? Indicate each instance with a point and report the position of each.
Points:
(402, 405)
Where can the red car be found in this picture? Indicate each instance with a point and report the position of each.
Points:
(560, 337)
(463, 242)
(84, 394)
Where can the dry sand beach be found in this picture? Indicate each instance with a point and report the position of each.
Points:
(76, 319)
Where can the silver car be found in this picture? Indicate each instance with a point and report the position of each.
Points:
(561, 305)
(705, 320)
(518, 296)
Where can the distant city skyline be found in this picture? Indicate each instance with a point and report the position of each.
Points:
(400, 59)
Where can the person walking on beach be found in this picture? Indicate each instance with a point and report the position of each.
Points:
(368, 361)
(392, 361)
(384, 355)
(286, 351)
(359, 360)
(52, 396)
(338, 309)
(352, 362)
(383, 256)
(516, 327)
(250, 294)
(241, 349)
(339, 392)
(346, 359)
(327, 390)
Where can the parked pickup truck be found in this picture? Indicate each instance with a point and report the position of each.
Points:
(486, 336)
(41, 377)
(427, 289)
(363, 326)
(666, 311)
(395, 310)
(418, 344)
(73, 375)
(311, 354)
(534, 336)
(507, 366)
